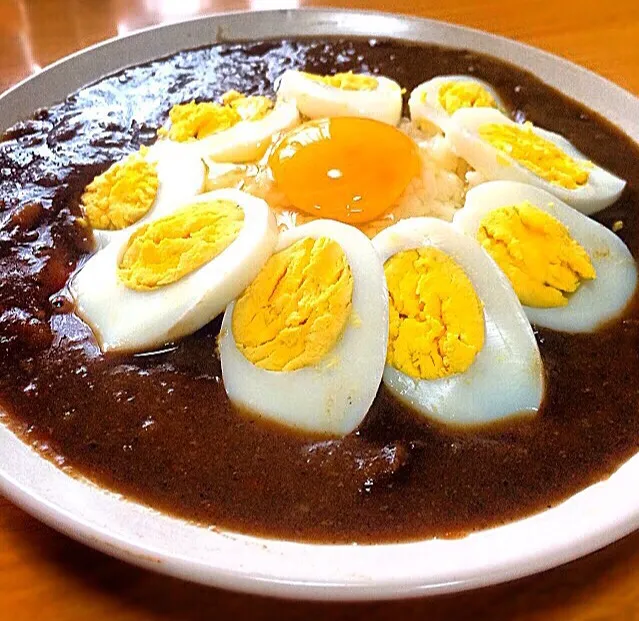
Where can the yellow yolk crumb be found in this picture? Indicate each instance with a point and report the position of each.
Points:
(464, 94)
(121, 195)
(251, 108)
(163, 251)
(197, 120)
(294, 312)
(347, 81)
(542, 261)
(540, 156)
(436, 319)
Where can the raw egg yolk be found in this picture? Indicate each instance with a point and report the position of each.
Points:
(542, 261)
(294, 312)
(198, 120)
(122, 195)
(347, 81)
(464, 94)
(163, 251)
(542, 157)
(436, 319)
(347, 169)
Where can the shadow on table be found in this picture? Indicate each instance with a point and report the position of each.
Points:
(565, 591)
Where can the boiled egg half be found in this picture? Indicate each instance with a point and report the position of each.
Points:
(342, 94)
(304, 345)
(460, 348)
(432, 103)
(144, 185)
(173, 275)
(501, 149)
(239, 129)
(570, 272)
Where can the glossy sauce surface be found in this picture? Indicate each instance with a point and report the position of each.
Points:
(159, 428)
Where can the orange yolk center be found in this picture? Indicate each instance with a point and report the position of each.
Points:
(348, 169)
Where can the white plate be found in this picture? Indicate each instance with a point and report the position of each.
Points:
(591, 519)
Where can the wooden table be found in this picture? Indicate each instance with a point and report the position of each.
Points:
(44, 575)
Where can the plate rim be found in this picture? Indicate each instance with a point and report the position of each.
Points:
(71, 524)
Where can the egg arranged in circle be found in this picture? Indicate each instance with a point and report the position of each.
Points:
(460, 350)
(342, 94)
(432, 103)
(349, 169)
(174, 274)
(305, 344)
(571, 273)
(144, 185)
(239, 129)
(501, 149)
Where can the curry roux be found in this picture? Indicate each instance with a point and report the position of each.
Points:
(159, 429)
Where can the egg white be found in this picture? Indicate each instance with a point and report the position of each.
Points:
(506, 378)
(318, 100)
(601, 190)
(333, 396)
(429, 109)
(130, 320)
(595, 301)
(181, 175)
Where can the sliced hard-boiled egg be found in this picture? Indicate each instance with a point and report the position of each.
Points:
(349, 169)
(304, 345)
(570, 272)
(342, 94)
(501, 149)
(173, 275)
(194, 121)
(144, 185)
(240, 129)
(460, 348)
(432, 103)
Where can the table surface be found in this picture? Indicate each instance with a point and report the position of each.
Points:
(44, 575)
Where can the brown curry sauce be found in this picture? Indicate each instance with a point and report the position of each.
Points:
(159, 429)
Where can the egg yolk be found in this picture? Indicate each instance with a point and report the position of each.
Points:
(542, 261)
(122, 195)
(347, 81)
(347, 169)
(197, 120)
(163, 251)
(251, 108)
(436, 319)
(454, 95)
(542, 157)
(294, 312)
